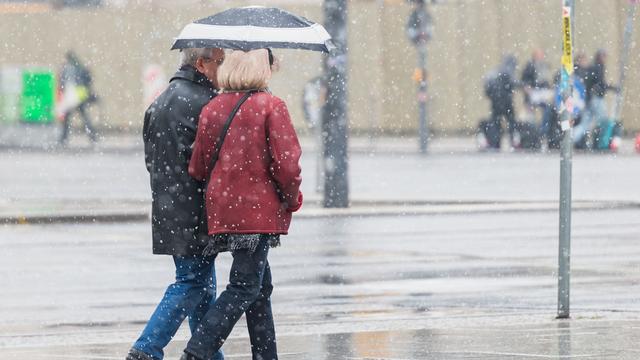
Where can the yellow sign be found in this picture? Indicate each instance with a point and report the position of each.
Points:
(567, 47)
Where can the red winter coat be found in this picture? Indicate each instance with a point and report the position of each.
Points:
(255, 185)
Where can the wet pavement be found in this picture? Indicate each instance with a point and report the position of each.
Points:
(447, 256)
(448, 286)
(378, 171)
(563, 340)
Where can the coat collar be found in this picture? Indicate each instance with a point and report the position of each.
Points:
(190, 73)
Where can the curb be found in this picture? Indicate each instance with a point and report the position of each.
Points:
(359, 209)
(451, 208)
(121, 217)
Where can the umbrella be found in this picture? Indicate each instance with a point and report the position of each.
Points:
(254, 27)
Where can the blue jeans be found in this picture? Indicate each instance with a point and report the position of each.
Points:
(547, 114)
(595, 112)
(191, 295)
(249, 293)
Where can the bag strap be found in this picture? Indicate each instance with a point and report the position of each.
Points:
(223, 134)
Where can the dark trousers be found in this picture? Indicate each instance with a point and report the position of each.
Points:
(66, 123)
(506, 112)
(249, 293)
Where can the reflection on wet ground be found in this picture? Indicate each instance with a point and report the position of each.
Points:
(478, 286)
(590, 340)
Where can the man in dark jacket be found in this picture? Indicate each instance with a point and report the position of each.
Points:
(500, 87)
(535, 74)
(170, 127)
(537, 89)
(595, 78)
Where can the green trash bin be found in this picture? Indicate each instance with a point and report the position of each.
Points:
(38, 96)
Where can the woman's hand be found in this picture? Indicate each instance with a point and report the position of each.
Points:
(297, 206)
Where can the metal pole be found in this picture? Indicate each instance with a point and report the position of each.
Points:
(319, 160)
(624, 57)
(422, 99)
(334, 114)
(420, 30)
(564, 253)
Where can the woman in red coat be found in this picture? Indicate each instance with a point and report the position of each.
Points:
(252, 192)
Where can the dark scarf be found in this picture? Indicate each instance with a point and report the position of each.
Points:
(232, 242)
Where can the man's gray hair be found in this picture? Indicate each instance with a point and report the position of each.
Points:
(190, 55)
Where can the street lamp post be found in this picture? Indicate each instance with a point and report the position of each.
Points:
(334, 115)
(419, 30)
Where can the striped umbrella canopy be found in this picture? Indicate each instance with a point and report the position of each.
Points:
(254, 27)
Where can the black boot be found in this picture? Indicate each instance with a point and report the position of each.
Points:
(187, 356)
(135, 354)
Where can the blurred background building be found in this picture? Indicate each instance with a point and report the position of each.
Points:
(120, 40)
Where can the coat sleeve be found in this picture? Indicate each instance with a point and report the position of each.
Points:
(188, 135)
(285, 152)
(146, 137)
(197, 164)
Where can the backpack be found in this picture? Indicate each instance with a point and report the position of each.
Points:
(530, 138)
(491, 84)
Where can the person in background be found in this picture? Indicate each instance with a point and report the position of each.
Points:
(581, 66)
(596, 88)
(500, 87)
(535, 75)
(537, 88)
(178, 227)
(76, 88)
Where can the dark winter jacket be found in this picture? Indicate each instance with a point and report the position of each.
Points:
(532, 77)
(595, 81)
(170, 126)
(255, 184)
(500, 90)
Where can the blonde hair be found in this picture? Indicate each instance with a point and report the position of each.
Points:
(245, 70)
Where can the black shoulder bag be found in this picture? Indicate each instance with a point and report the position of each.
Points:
(214, 158)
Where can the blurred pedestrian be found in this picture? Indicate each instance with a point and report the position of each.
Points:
(178, 228)
(535, 76)
(536, 85)
(580, 67)
(500, 87)
(596, 88)
(253, 191)
(76, 89)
